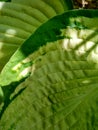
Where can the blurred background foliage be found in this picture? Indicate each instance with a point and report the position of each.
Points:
(86, 4)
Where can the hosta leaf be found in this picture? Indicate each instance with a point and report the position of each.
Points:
(15, 67)
(62, 91)
(58, 5)
(18, 22)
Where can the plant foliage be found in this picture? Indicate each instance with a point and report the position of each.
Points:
(51, 82)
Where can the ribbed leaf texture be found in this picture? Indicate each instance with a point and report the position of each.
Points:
(18, 21)
(61, 92)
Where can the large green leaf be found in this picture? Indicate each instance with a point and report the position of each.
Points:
(62, 91)
(58, 5)
(17, 64)
(19, 21)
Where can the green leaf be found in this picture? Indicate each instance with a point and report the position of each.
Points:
(1, 95)
(19, 21)
(59, 5)
(4, 0)
(62, 91)
(18, 64)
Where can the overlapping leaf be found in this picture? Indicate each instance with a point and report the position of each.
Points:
(19, 21)
(62, 90)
